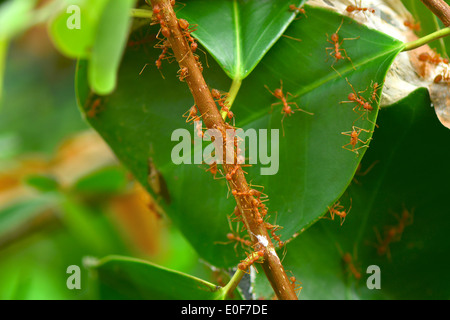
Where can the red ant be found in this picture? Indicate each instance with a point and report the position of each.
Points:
(336, 210)
(297, 10)
(336, 49)
(411, 25)
(192, 114)
(356, 7)
(250, 260)
(188, 29)
(392, 233)
(433, 59)
(221, 100)
(348, 259)
(296, 286)
(354, 139)
(383, 243)
(444, 76)
(214, 169)
(95, 108)
(404, 220)
(183, 73)
(273, 229)
(286, 110)
(375, 88)
(233, 237)
(361, 102)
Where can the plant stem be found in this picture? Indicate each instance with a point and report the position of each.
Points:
(141, 13)
(441, 9)
(228, 290)
(213, 120)
(232, 93)
(424, 40)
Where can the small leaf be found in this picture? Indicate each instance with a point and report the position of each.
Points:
(72, 40)
(103, 181)
(128, 278)
(43, 183)
(239, 33)
(110, 41)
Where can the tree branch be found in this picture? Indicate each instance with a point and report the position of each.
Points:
(213, 120)
(441, 9)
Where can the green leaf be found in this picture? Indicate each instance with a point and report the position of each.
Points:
(107, 180)
(128, 278)
(42, 183)
(15, 216)
(138, 120)
(238, 33)
(76, 41)
(394, 176)
(110, 42)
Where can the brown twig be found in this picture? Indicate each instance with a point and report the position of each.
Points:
(441, 9)
(213, 120)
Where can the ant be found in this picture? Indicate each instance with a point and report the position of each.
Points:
(433, 59)
(336, 48)
(221, 100)
(188, 29)
(296, 285)
(348, 260)
(444, 76)
(183, 73)
(273, 229)
(192, 114)
(337, 209)
(250, 260)
(354, 139)
(95, 108)
(356, 7)
(361, 102)
(286, 110)
(412, 26)
(393, 233)
(375, 87)
(233, 236)
(297, 10)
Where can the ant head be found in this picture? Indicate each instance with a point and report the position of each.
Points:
(438, 78)
(215, 93)
(194, 46)
(351, 97)
(156, 9)
(165, 31)
(278, 93)
(334, 38)
(350, 8)
(183, 24)
(424, 56)
(347, 257)
(230, 236)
